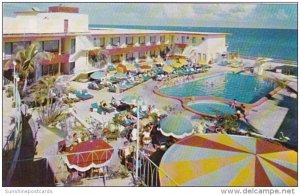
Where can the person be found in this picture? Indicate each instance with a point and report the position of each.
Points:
(114, 102)
(233, 104)
(133, 134)
(243, 109)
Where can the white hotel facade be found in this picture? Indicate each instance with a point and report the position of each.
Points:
(64, 32)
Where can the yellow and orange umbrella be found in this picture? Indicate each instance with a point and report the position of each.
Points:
(183, 61)
(130, 67)
(202, 62)
(228, 160)
(168, 68)
(177, 65)
(159, 60)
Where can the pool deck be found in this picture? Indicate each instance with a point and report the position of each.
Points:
(260, 117)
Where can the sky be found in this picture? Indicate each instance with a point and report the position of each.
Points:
(242, 15)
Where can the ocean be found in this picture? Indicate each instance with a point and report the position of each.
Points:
(272, 43)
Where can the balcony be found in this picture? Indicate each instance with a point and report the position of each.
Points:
(181, 45)
(140, 48)
(57, 58)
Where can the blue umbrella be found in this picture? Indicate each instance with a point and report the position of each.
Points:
(98, 75)
(120, 76)
(111, 67)
(176, 126)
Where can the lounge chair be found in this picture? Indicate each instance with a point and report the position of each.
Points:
(111, 88)
(83, 95)
(96, 108)
(93, 87)
(107, 108)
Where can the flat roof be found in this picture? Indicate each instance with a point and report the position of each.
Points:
(108, 31)
(120, 31)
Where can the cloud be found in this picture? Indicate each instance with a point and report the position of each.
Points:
(281, 15)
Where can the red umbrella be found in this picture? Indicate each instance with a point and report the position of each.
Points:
(89, 154)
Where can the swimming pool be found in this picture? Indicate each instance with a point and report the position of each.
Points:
(211, 108)
(244, 88)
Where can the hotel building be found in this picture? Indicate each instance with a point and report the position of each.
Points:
(64, 32)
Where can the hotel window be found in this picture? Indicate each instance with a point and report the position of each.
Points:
(115, 41)
(142, 55)
(8, 48)
(73, 46)
(152, 40)
(162, 39)
(115, 58)
(129, 40)
(16, 46)
(142, 40)
(152, 53)
(96, 42)
(50, 69)
(51, 46)
(102, 42)
(194, 40)
(129, 56)
(172, 39)
(41, 46)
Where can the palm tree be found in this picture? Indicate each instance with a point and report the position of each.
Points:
(26, 60)
(43, 97)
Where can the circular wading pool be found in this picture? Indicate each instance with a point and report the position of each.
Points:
(212, 108)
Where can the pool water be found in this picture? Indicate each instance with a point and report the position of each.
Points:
(212, 108)
(244, 88)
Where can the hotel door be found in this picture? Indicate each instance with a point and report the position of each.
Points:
(66, 26)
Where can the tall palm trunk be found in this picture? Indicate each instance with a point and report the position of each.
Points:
(25, 85)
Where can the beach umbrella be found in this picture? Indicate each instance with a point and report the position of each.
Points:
(111, 67)
(228, 160)
(94, 153)
(168, 68)
(130, 67)
(120, 76)
(98, 75)
(183, 61)
(177, 65)
(202, 62)
(130, 100)
(159, 60)
(145, 67)
(176, 126)
(121, 68)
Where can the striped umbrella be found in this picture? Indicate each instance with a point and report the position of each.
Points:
(89, 154)
(168, 68)
(159, 60)
(223, 160)
(183, 61)
(130, 67)
(177, 65)
(176, 126)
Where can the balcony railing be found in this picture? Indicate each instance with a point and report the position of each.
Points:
(57, 58)
(141, 48)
